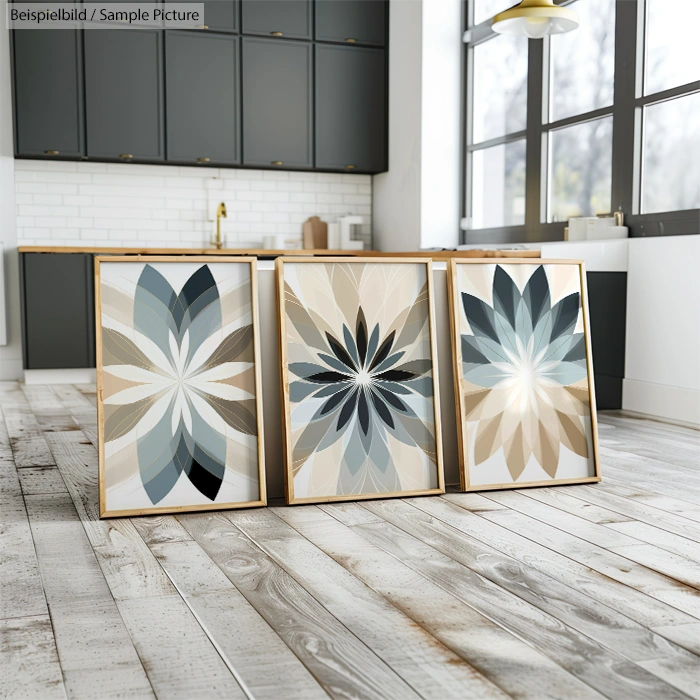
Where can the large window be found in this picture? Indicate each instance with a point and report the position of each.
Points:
(601, 119)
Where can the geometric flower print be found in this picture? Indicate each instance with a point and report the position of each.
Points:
(178, 376)
(360, 376)
(524, 373)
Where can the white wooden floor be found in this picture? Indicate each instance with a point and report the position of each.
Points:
(570, 592)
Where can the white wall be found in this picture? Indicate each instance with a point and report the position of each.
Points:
(416, 203)
(10, 354)
(125, 204)
(662, 361)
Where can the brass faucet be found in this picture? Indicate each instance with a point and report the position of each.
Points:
(220, 211)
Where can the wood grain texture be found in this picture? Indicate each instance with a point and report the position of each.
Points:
(36, 480)
(344, 666)
(431, 669)
(129, 566)
(26, 437)
(473, 253)
(577, 592)
(178, 656)
(613, 675)
(648, 555)
(630, 602)
(614, 566)
(514, 666)
(94, 647)
(29, 666)
(266, 666)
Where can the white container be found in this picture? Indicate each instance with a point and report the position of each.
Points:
(276, 241)
(333, 236)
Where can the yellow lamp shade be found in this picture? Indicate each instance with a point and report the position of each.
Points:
(535, 19)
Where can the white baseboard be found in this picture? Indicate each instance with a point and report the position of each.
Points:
(59, 376)
(669, 402)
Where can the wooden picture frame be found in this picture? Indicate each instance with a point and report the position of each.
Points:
(107, 509)
(466, 442)
(281, 264)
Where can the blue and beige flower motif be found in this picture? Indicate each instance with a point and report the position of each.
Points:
(524, 372)
(179, 392)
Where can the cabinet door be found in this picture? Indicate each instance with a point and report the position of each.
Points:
(59, 311)
(124, 93)
(202, 88)
(350, 109)
(288, 18)
(48, 86)
(221, 15)
(352, 21)
(277, 108)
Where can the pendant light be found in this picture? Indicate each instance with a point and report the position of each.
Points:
(535, 19)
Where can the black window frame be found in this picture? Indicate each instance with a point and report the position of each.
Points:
(627, 140)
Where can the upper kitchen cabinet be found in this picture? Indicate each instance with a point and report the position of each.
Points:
(48, 91)
(351, 21)
(219, 15)
(277, 103)
(124, 94)
(279, 18)
(202, 103)
(350, 109)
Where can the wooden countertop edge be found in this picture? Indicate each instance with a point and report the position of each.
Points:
(435, 255)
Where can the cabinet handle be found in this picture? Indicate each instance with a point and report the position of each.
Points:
(126, 156)
(351, 41)
(349, 167)
(276, 162)
(203, 160)
(276, 33)
(51, 153)
(202, 26)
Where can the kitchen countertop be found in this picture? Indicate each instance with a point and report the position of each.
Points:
(256, 252)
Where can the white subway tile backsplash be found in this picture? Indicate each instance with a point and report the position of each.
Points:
(122, 205)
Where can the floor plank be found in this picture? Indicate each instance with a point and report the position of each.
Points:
(518, 668)
(95, 650)
(251, 648)
(35, 480)
(179, 658)
(627, 600)
(29, 665)
(340, 662)
(652, 557)
(26, 437)
(610, 673)
(431, 669)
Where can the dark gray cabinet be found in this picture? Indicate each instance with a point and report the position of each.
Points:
(58, 310)
(48, 82)
(350, 108)
(607, 305)
(219, 15)
(202, 88)
(277, 103)
(352, 21)
(279, 18)
(124, 94)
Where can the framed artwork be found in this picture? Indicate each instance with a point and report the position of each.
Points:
(359, 380)
(178, 384)
(523, 373)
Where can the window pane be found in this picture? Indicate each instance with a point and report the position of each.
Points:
(671, 165)
(498, 185)
(583, 61)
(500, 87)
(673, 51)
(485, 9)
(580, 167)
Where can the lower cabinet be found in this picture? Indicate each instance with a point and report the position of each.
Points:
(58, 310)
(607, 306)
